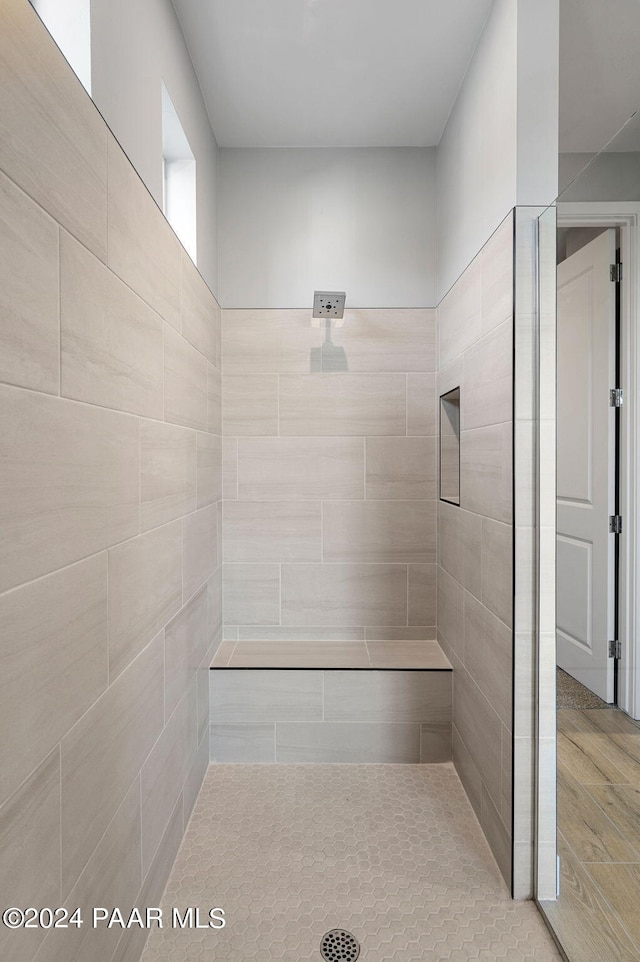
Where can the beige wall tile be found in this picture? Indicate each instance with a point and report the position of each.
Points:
(459, 314)
(272, 531)
(286, 469)
(497, 569)
(201, 315)
(487, 381)
(252, 594)
(53, 662)
(53, 142)
(268, 341)
(497, 833)
(214, 399)
(482, 484)
(199, 549)
(421, 405)
(347, 742)
(230, 468)
(342, 404)
(488, 656)
(185, 382)
(243, 742)
(202, 699)
(69, 469)
(388, 696)
(143, 250)
(167, 473)
(111, 341)
(422, 594)
(250, 404)
(29, 316)
(265, 696)
(30, 845)
(164, 772)
(287, 633)
(344, 594)
(215, 601)
(436, 742)
(467, 771)
(450, 376)
(401, 468)
(450, 611)
(507, 474)
(186, 642)
(103, 754)
(386, 340)
(209, 463)
(195, 777)
(379, 531)
(497, 275)
(145, 590)
(481, 730)
(459, 544)
(400, 633)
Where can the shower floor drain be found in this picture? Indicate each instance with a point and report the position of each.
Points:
(339, 946)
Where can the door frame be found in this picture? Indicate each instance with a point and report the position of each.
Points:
(626, 217)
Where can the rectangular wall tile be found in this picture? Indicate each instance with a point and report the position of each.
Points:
(488, 655)
(379, 531)
(421, 405)
(243, 742)
(103, 754)
(69, 469)
(215, 603)
(497, 276)
(199, 549)
(252, 594)
(230, 468)
(487, 381)
(214, 399)
(244, 695)
(347, 742)
(497, 569)
(185, 382)
(209, 464)
(460, 314)
(272, 531)
(343, 404)
(250, 404)
(142, 251)
(298, 633)
(29, 320)
(111, 341)
(401, 633)
(287, 469)
(481, 730)
(145, 590)
(450, 611)
(401, 468)
(482, 484)
(459, 544)
(344, 594)
(385, 340)
(267, 341)
(53, 142)
(201, 314)
(195, 777)
(422, 594)
(167, 473)
(54, 633)
(388, 696)
(186, 642)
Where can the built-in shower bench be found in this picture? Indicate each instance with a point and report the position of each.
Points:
(330, 701)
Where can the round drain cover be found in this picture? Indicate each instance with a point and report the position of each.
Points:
(339, 946)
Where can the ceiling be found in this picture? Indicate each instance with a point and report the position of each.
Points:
(309, 73)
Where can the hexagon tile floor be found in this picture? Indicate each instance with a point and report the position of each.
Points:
(392, 853)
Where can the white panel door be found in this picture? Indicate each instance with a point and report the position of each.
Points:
(586, 464)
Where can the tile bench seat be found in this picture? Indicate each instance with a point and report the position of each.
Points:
(351, 701)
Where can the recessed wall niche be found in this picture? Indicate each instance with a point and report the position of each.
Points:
(450, 446)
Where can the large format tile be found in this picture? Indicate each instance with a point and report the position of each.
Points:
(185, 382)
(299, 654)
(386, 340)
(344, 594)
(460, 314)
(497, 276)
(103, 753)
(388, 696)
(287, 469)
(111, 341)
(30, 845)
(401, 468)
(450, 611)
(459, 545)
(243, 742)
(342, 404)
(265, 696)
(497, 569)
(621, 886)
(591, 835)
(201, 316)
(252, 594)
(145, 590)
(480, 728)
(215, 605)
(69, 469)
(167, 473)
(483, 479)
(423, 655)
(379, 531)
(347, 742)
(257, 341)
(488, 655)
(230, 468)
(589, 765)
(209, 468)
(186, 643)
(53, 141)
(199, 549)
(29, 296)
(422, 594)
(272, 531)
(214, 399)
(298, 633)
(250, 404)
(487, 387)
(53, 662)
(143, 250)
(421, 405)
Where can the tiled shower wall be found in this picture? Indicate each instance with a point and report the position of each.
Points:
(475, 540)
(329, 475)
(110, 591)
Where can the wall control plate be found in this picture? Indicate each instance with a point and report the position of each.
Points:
(328, 303)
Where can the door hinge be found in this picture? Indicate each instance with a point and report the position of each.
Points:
(615, 524)
(615, 649)
(616, 397)
(615, 272)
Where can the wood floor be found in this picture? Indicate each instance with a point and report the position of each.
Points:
(597, 917)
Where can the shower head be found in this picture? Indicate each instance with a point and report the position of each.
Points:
(328, 304)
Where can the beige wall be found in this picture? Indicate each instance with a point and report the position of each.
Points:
(329, 476)
(110, 591)
(475, 540)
